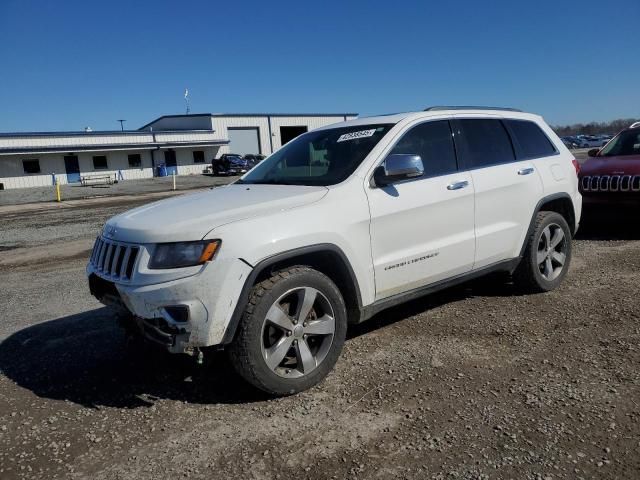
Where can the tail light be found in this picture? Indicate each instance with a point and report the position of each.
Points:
(576, 165)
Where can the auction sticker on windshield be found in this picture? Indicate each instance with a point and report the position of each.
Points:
(356, 135)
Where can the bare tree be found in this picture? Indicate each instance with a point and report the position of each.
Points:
(593, 128)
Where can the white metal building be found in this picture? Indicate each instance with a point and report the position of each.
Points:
(261, 133)
(185, 144)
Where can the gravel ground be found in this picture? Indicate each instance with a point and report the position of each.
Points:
(127, 187)
(474, 382)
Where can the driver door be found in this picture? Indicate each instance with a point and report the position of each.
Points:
(422, 229)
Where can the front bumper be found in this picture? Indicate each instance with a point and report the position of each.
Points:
(182, 313)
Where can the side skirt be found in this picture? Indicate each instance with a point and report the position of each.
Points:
(369, 311)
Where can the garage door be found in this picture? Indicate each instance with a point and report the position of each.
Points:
(244, 140)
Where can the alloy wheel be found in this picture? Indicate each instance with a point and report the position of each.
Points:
(297, 332)
(552, 252)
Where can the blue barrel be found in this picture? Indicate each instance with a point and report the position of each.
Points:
(162, 170)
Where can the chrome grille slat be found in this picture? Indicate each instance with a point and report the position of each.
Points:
(125, 260)
(603, 184)
(132, 261)
(614, 183)
(107, 259)
(103, 250)
(117, 251)
(625, 183)
(98, 249)
(585, 183)
(114, 260)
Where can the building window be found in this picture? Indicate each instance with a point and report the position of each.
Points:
(135, 161)
(31, 166)
(100, 162)
(198, 156)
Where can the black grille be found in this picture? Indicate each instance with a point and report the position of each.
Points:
(114, 260)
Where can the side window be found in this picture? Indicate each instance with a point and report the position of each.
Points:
(530, 140)
(100, 162)
(31, 166)
(135, 161)
(484, 142)
(434, 143)
(198, 156)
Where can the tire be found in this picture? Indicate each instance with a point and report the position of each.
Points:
(535, 274)
(296, 313)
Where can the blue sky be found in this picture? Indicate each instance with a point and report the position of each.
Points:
(68, 64)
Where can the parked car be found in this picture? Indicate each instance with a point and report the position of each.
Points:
(254, 159)
(570, 142)
(590, 141)
(230, 164)
(339, 224)
(611, 175)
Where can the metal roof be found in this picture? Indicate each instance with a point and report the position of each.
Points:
(249, 115)
(111, 147)
(82, 133)
(284, 114)
(45, 142)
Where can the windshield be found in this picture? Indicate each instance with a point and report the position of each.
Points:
(626, 143)
(323, 157)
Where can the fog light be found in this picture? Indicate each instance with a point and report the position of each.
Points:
(179, 313)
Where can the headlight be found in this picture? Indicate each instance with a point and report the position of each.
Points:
(183, 254)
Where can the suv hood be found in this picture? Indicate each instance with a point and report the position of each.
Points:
(191, 217)
(620, 165)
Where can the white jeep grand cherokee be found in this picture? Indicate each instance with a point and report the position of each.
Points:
(337, 225)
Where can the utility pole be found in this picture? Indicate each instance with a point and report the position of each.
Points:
(122, 124)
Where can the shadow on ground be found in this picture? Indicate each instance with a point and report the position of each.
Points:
(85, 359)
(609, 223)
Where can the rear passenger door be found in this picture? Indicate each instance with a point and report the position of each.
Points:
(506, 189)
(422, 229)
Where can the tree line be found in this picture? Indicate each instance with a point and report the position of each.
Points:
(594, 128)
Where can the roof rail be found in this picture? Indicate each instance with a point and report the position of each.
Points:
(462, 107)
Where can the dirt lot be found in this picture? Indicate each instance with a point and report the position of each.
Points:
(76, 191)
(475, 382)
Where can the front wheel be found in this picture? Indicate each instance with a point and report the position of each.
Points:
(547, 254)
(291, 333)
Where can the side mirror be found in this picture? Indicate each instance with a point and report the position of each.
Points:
(593, 152)
(397, 167)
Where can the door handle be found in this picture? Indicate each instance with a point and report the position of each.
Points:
(525, 171)
(457, 185)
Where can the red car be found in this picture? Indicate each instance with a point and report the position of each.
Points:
(612, 174)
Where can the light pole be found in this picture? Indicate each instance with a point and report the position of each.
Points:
(122, 124)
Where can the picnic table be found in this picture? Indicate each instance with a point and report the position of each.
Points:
(97, 179)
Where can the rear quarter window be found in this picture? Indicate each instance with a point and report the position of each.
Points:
(529, 139)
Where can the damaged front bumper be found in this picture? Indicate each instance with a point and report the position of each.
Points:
(152, 312)
(180, 314)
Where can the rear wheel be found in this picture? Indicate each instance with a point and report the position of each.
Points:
(547, 254)
(291, 333)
